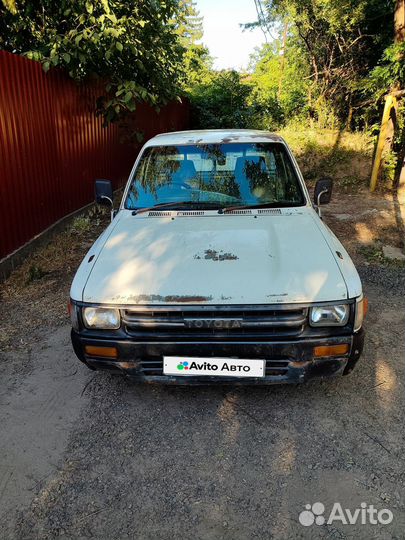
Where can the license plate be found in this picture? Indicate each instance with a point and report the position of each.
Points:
(213, 367)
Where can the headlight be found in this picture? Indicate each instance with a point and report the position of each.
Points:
(361, 310)
(102, 318)
(329, 315)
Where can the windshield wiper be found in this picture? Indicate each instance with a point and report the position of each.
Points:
(226, 209)
(176, 205)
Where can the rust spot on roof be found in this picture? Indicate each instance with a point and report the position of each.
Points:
(226, 140)
(268, 136)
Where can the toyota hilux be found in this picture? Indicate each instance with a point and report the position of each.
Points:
(218, 268)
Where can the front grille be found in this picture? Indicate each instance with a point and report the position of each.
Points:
(191, 323)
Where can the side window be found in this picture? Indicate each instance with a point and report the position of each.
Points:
(287, 186)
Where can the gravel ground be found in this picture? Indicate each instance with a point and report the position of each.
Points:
(92, 455)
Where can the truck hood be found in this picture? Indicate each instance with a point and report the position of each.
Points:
(214, 259)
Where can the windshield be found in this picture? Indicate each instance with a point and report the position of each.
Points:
(215, 176)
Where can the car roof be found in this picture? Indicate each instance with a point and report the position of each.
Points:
(214, 136)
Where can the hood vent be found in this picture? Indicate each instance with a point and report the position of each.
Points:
(239, 212)
(190, 213)
(159, 214)
(270, 211)
(187, 213)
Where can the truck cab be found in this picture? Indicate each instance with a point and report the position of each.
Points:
(217, 268)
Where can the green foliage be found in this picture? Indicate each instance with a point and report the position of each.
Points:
(388, 73)
(374, 254)
(344, 156)
(318, 75)
(279, 85)
(132, 44)
(190, 27)
(81, 224)
(10, 5)
(197, 64)
(340, 42)
(221, 101)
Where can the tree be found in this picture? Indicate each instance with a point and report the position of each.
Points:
(133, 45)
(342, 41)
(221, 102)
(190, 28)
(279, 89)
(197, 62)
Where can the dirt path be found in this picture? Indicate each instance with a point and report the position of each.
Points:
(87, 455)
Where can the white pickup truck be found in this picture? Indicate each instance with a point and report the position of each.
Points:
(217, 267)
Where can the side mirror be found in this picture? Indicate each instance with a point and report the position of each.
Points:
(104, 192)
(323, 191)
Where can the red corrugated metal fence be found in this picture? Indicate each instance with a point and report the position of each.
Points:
(52, 147)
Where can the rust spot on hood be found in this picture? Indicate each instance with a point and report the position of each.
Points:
(214, 255)
(158, 298)
(185, 299)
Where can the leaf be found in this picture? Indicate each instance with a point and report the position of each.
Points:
(105, 5)
(54, 58)
(46, 66)
(66, 57)
(119, 46)
(128, 97)
(111, 32)
(112, 18)
(89, 7)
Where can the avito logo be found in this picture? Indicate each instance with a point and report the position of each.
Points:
(207, 366)
(182, 365)
(313, 513)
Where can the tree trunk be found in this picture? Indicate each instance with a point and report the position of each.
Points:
(399, 22)
(388, 124)
(384, 139)
(282, 60)
(399, 37)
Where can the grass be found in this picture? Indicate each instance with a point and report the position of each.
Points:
(374, 255)
(345, 156)
(81, 225)
(44, 278)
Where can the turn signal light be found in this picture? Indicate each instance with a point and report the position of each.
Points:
(331, 350)
(103, 352)
(365, 306)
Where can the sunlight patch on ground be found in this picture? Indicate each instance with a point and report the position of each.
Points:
(386, 384)
(228, 415)
(364, 234)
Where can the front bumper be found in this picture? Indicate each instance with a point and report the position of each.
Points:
(286, 361)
